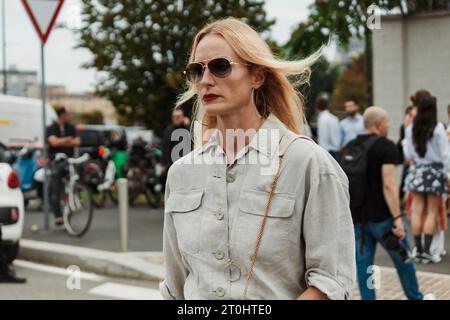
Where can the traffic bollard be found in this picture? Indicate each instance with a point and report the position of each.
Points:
(122, 189)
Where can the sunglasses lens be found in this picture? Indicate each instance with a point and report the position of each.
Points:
(220, 67)
(194, 72)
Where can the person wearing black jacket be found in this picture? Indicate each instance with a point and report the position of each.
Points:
(62, 138)
(177, 140)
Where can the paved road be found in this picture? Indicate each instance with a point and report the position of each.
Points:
(50, 283)
(145, 230)
(146, 226)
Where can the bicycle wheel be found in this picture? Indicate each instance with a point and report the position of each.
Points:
(78, 215)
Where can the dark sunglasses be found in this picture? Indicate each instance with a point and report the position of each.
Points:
(219, 67)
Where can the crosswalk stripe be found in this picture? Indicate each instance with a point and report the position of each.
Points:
(126, 292)
(56, 270)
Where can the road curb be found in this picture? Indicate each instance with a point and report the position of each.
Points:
(114, 264)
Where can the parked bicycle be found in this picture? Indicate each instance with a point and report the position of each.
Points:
(77, 204)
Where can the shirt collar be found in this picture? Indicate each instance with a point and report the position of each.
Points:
(272, 129)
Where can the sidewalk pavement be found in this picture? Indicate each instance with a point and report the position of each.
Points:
(130, 265)
(390, 288)
(98, 252)
(149, 266)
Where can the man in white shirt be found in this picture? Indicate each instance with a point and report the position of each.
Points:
(328, 129)
(353, 124)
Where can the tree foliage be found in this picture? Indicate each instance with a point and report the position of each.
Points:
(350, 85)
(345, 19)
(342, 20)
(140, 48)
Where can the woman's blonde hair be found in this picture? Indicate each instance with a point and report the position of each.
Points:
(279, 95)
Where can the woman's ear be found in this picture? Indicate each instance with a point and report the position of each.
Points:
(259, 76)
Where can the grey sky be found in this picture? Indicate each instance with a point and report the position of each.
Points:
(63, 62)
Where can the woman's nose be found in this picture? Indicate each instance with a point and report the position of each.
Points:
(207, 78)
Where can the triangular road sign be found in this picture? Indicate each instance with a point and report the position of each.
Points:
(43, 14)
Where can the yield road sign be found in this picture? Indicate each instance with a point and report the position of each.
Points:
(43, 14)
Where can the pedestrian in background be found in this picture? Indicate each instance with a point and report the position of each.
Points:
(328, 129)
(62, 137)
(353, 124)
(177, 141)
(377, 217)
(427, 145)
(410, 113)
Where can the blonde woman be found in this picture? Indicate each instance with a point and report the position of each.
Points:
(255, 211)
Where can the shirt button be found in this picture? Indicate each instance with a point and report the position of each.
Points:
(230, 178)
(219, 255)
(219, 216)
(220, 292)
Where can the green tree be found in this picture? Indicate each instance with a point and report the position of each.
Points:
(341, 20)
(350, 85)
(141, 47)
(323, 78)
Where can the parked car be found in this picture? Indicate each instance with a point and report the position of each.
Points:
(12, 213)
(94, 136)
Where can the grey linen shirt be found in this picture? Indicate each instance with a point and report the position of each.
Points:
(213, 212)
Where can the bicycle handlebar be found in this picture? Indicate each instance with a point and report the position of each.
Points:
(85, 157)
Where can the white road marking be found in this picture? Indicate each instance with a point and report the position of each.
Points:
(56, 270)
(126, 292)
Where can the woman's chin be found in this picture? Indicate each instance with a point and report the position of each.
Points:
(216, 109)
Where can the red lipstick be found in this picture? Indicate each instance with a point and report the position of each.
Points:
(210, 97)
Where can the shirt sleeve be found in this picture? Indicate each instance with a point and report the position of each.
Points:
(390, 153)
(329, 236)
(172, 288)
(408, 147)
(51, 131)
(72, 131)
(336, 135)
(342, 131)
(443, 144)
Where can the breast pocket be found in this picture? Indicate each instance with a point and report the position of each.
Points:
(274, 243)
(185, 208)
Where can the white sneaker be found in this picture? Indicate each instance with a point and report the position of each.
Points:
(431, 257)
(429, 296)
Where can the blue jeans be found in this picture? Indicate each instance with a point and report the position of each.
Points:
(373, 234)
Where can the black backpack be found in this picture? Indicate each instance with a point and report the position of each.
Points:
(354, 161)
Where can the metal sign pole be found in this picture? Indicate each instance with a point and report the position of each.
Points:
(44, 122)
(5, 73)
(43, 21)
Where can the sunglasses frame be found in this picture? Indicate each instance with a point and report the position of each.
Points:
(205, 65)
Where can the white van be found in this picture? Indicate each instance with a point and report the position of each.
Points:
(21, 120)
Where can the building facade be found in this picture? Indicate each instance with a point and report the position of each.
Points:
(20, 83)
(411, 53)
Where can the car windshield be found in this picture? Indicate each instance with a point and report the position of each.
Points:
(90, 138)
